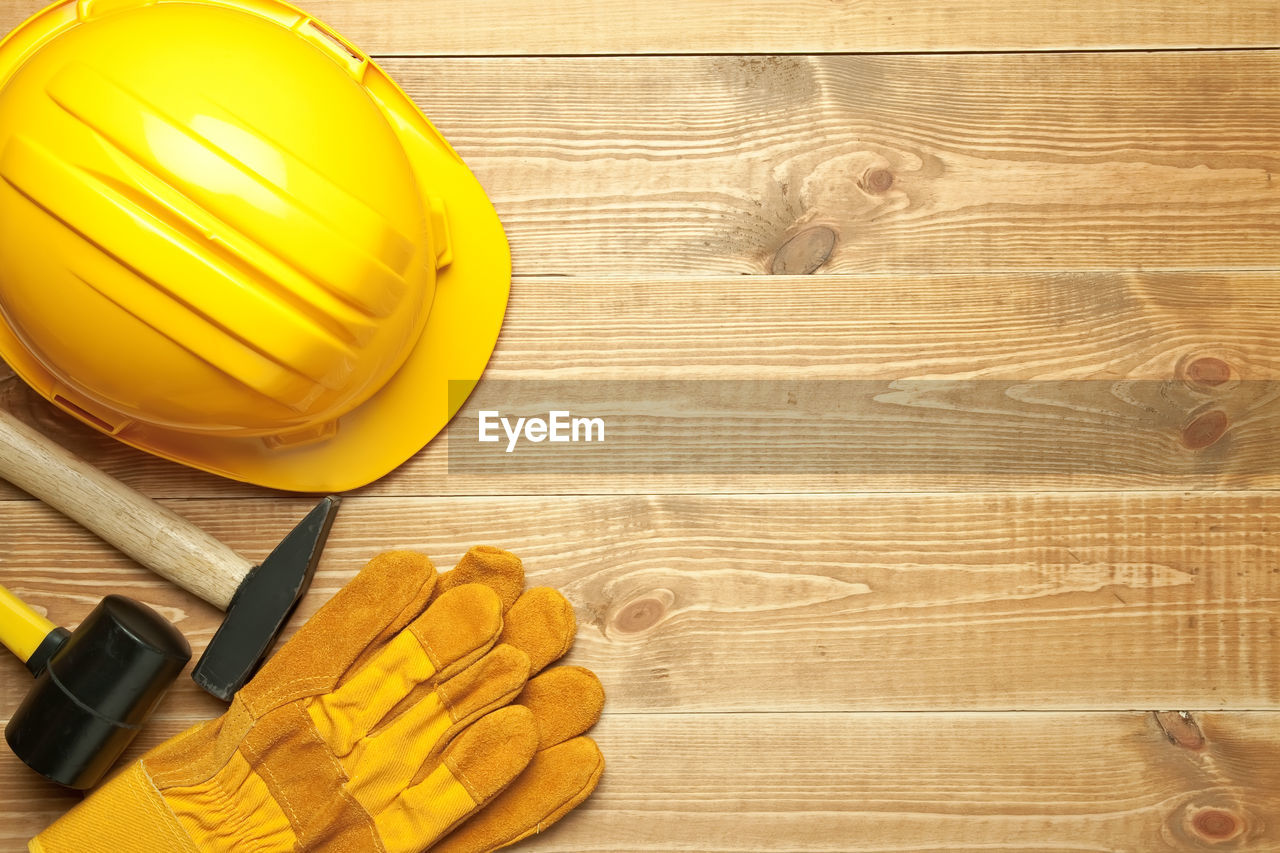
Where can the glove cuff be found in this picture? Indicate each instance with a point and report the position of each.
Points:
(125, 814)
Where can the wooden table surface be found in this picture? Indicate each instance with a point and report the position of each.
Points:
(1060, 656)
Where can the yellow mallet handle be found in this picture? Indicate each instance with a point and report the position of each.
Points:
(22, 630)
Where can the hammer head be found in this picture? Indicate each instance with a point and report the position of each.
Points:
(95, 690)
(263, 604)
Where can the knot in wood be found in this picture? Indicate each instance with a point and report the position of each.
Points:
(1181, 729)
(1216, 824)
(1208, 371)
(643, 613)
(805, 252)
(877, 181)
(1205, 430)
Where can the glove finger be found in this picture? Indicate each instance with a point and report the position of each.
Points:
(376, 765)
(542, 625)
(388, 593)
(494, 681)
(566, 701)
(455, 631)
(477, 766)
(556, 781)
(497, 569)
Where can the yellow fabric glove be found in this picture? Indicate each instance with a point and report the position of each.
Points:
(379, 727)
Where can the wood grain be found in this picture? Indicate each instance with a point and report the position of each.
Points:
(957, 435)
(804, 603)
(686, 165)
(681, 166)
(877, 782)
(1070, 657)
(479, 27)
(1192, 329)
(675, 166)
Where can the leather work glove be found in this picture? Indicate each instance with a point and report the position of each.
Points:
(381, 726)
(564, 771)
(565, 701)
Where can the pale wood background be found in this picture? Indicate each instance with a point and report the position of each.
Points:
(842, 190)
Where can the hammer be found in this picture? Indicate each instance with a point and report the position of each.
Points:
(258, 598)
(94, 686)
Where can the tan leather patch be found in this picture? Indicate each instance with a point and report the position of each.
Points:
(308, 783)
(389, 593)
(200, 752)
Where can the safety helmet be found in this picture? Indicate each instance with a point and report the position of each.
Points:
(229, 239)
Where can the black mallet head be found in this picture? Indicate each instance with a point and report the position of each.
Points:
(94, 689)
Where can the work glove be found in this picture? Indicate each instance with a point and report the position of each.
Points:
(382, 725)
(565, 701)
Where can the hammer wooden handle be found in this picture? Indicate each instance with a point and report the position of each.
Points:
(154, 536)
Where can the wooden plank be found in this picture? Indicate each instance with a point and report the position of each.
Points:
(807, 26)
(909, 164)
(480, 27)
(804, 603)
(969, 328)
(674, 166)
(876, 782)
(879, 435)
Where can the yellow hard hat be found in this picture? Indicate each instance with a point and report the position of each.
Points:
(229, 239)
